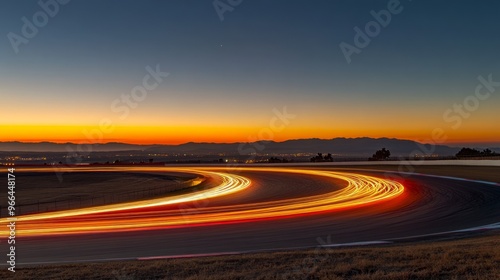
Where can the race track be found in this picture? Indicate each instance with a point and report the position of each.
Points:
(254, 209)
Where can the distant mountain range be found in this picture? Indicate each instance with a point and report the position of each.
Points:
(337, 146)
(65, 147)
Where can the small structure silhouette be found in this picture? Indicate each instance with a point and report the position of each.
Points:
(321, 158)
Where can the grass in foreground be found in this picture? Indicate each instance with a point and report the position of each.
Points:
(471, 258)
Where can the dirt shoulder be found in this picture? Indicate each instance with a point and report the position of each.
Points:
(44, 191)
(485, 173)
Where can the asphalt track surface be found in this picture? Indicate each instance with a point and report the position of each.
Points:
(427, 205)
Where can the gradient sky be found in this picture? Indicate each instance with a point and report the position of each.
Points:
(226, 77)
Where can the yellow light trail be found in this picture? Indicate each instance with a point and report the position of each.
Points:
(360, 190)
(230, 184)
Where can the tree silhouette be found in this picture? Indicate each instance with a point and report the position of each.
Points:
(321, 158)
(468, 152)
(382, 154)
(328, 157)
(488, 152)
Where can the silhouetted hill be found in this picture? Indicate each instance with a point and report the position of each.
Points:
(337, 146)
(65, 147)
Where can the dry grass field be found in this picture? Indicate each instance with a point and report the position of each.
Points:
(471, 258)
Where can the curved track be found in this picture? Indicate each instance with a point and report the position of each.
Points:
(259, 209)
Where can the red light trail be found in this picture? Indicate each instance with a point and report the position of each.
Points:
(158, 213)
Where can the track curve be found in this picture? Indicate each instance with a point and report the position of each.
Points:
(427, 205)
(150, 214)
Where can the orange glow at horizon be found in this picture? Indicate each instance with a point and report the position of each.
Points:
(147, 135)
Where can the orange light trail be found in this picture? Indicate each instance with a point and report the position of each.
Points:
(148, 214)
(230, 184)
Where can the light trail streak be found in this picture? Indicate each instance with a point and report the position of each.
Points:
(360, 190)
(230, 184)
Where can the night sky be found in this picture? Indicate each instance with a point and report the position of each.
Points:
(227, 76)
